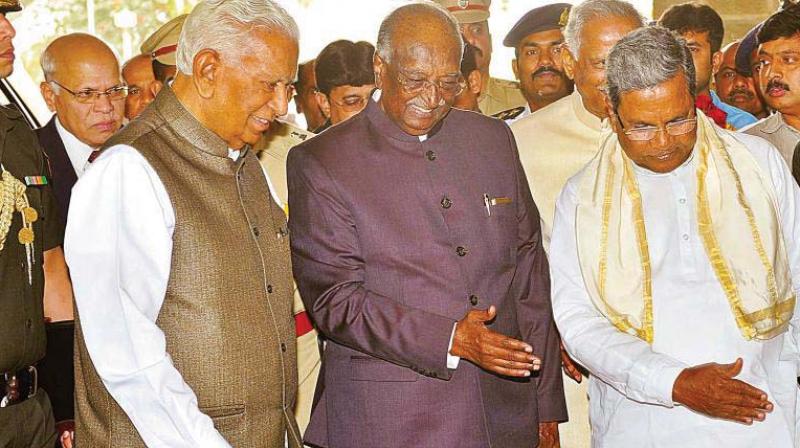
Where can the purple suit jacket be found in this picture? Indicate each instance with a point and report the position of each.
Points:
(391, 245)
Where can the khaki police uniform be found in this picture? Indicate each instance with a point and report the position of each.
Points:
(499, 94)
(272, 150)
(26, 418)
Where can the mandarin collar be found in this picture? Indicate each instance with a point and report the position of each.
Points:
(389, 128)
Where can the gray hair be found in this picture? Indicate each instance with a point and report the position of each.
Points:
(646, 58)
(383, 47)
(580, 15)
(223, 25)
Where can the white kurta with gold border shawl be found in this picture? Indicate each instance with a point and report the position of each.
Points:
(631, 389)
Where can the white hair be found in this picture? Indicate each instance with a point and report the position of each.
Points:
(583, 13)
(383, 47)
(224, 26)
(48, 63)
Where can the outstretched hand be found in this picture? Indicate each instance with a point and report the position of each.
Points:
(711, 389)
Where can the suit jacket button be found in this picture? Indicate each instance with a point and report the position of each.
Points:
(430, 155)
(283, 347)
(269, 289)
(473, 299)
(446, 203)
(461, 251)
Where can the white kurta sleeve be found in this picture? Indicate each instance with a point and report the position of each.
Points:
(118, 246)
(623, 361)
(788, 195)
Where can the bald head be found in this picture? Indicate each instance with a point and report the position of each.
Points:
(77, 69)
(418, 24)
(70, 53)
(138, 75)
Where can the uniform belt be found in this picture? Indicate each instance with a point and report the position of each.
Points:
(18, 386)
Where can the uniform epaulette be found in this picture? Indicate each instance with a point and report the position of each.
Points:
(509, 114)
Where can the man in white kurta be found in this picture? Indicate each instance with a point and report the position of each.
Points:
(632, 380)
(558, 140)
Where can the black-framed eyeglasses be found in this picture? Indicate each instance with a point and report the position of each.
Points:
(449, 87)
(88, 96)
(675, 128)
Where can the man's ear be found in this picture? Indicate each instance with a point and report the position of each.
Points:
(569, 63)
(324, 104)
(156, 87)
(716, 62)
(206, 69)
(475, 80)
(515, 69)
(379, 67)
(49, 95)
(612, 115)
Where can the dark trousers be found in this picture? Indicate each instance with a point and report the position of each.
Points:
(28, 424)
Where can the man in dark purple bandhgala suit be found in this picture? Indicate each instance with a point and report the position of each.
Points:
(417, 250)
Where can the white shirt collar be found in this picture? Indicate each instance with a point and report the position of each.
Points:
(77, 151)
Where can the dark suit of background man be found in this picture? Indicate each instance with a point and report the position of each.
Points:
(417, 250)
(82, 85)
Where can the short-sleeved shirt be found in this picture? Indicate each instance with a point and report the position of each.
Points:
(22, 332)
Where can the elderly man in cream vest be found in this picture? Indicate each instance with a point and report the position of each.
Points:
(180, 256)
(674, 257)
(556, 141)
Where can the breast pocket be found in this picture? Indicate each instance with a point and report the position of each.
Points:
(503, 226)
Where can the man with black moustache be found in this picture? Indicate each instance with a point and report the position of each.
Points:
(537, 41)
(779, 76)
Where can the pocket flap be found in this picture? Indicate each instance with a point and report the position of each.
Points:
(366, 368)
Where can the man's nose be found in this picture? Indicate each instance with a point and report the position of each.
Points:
(103, 104)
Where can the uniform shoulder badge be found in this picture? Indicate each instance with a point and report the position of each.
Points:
(510, 114)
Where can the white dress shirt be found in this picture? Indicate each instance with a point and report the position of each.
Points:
(118, 246)
(77, 151)
(631, 384)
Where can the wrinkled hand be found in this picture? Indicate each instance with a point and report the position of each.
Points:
(711, 389)
(570, 367)
(490, 350)
(548, 435)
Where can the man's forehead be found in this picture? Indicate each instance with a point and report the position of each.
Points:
(549, 37)
(428, 53)
(605, 32)
(696, 37)
(781, 45)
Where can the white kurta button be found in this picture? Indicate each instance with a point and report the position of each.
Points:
(682, 200)
(685, 237)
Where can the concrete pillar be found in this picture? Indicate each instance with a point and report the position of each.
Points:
(738, 15)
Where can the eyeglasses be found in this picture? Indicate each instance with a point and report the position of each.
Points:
(276, 87)
(88, 96)
(448, 87)
(675, 128)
